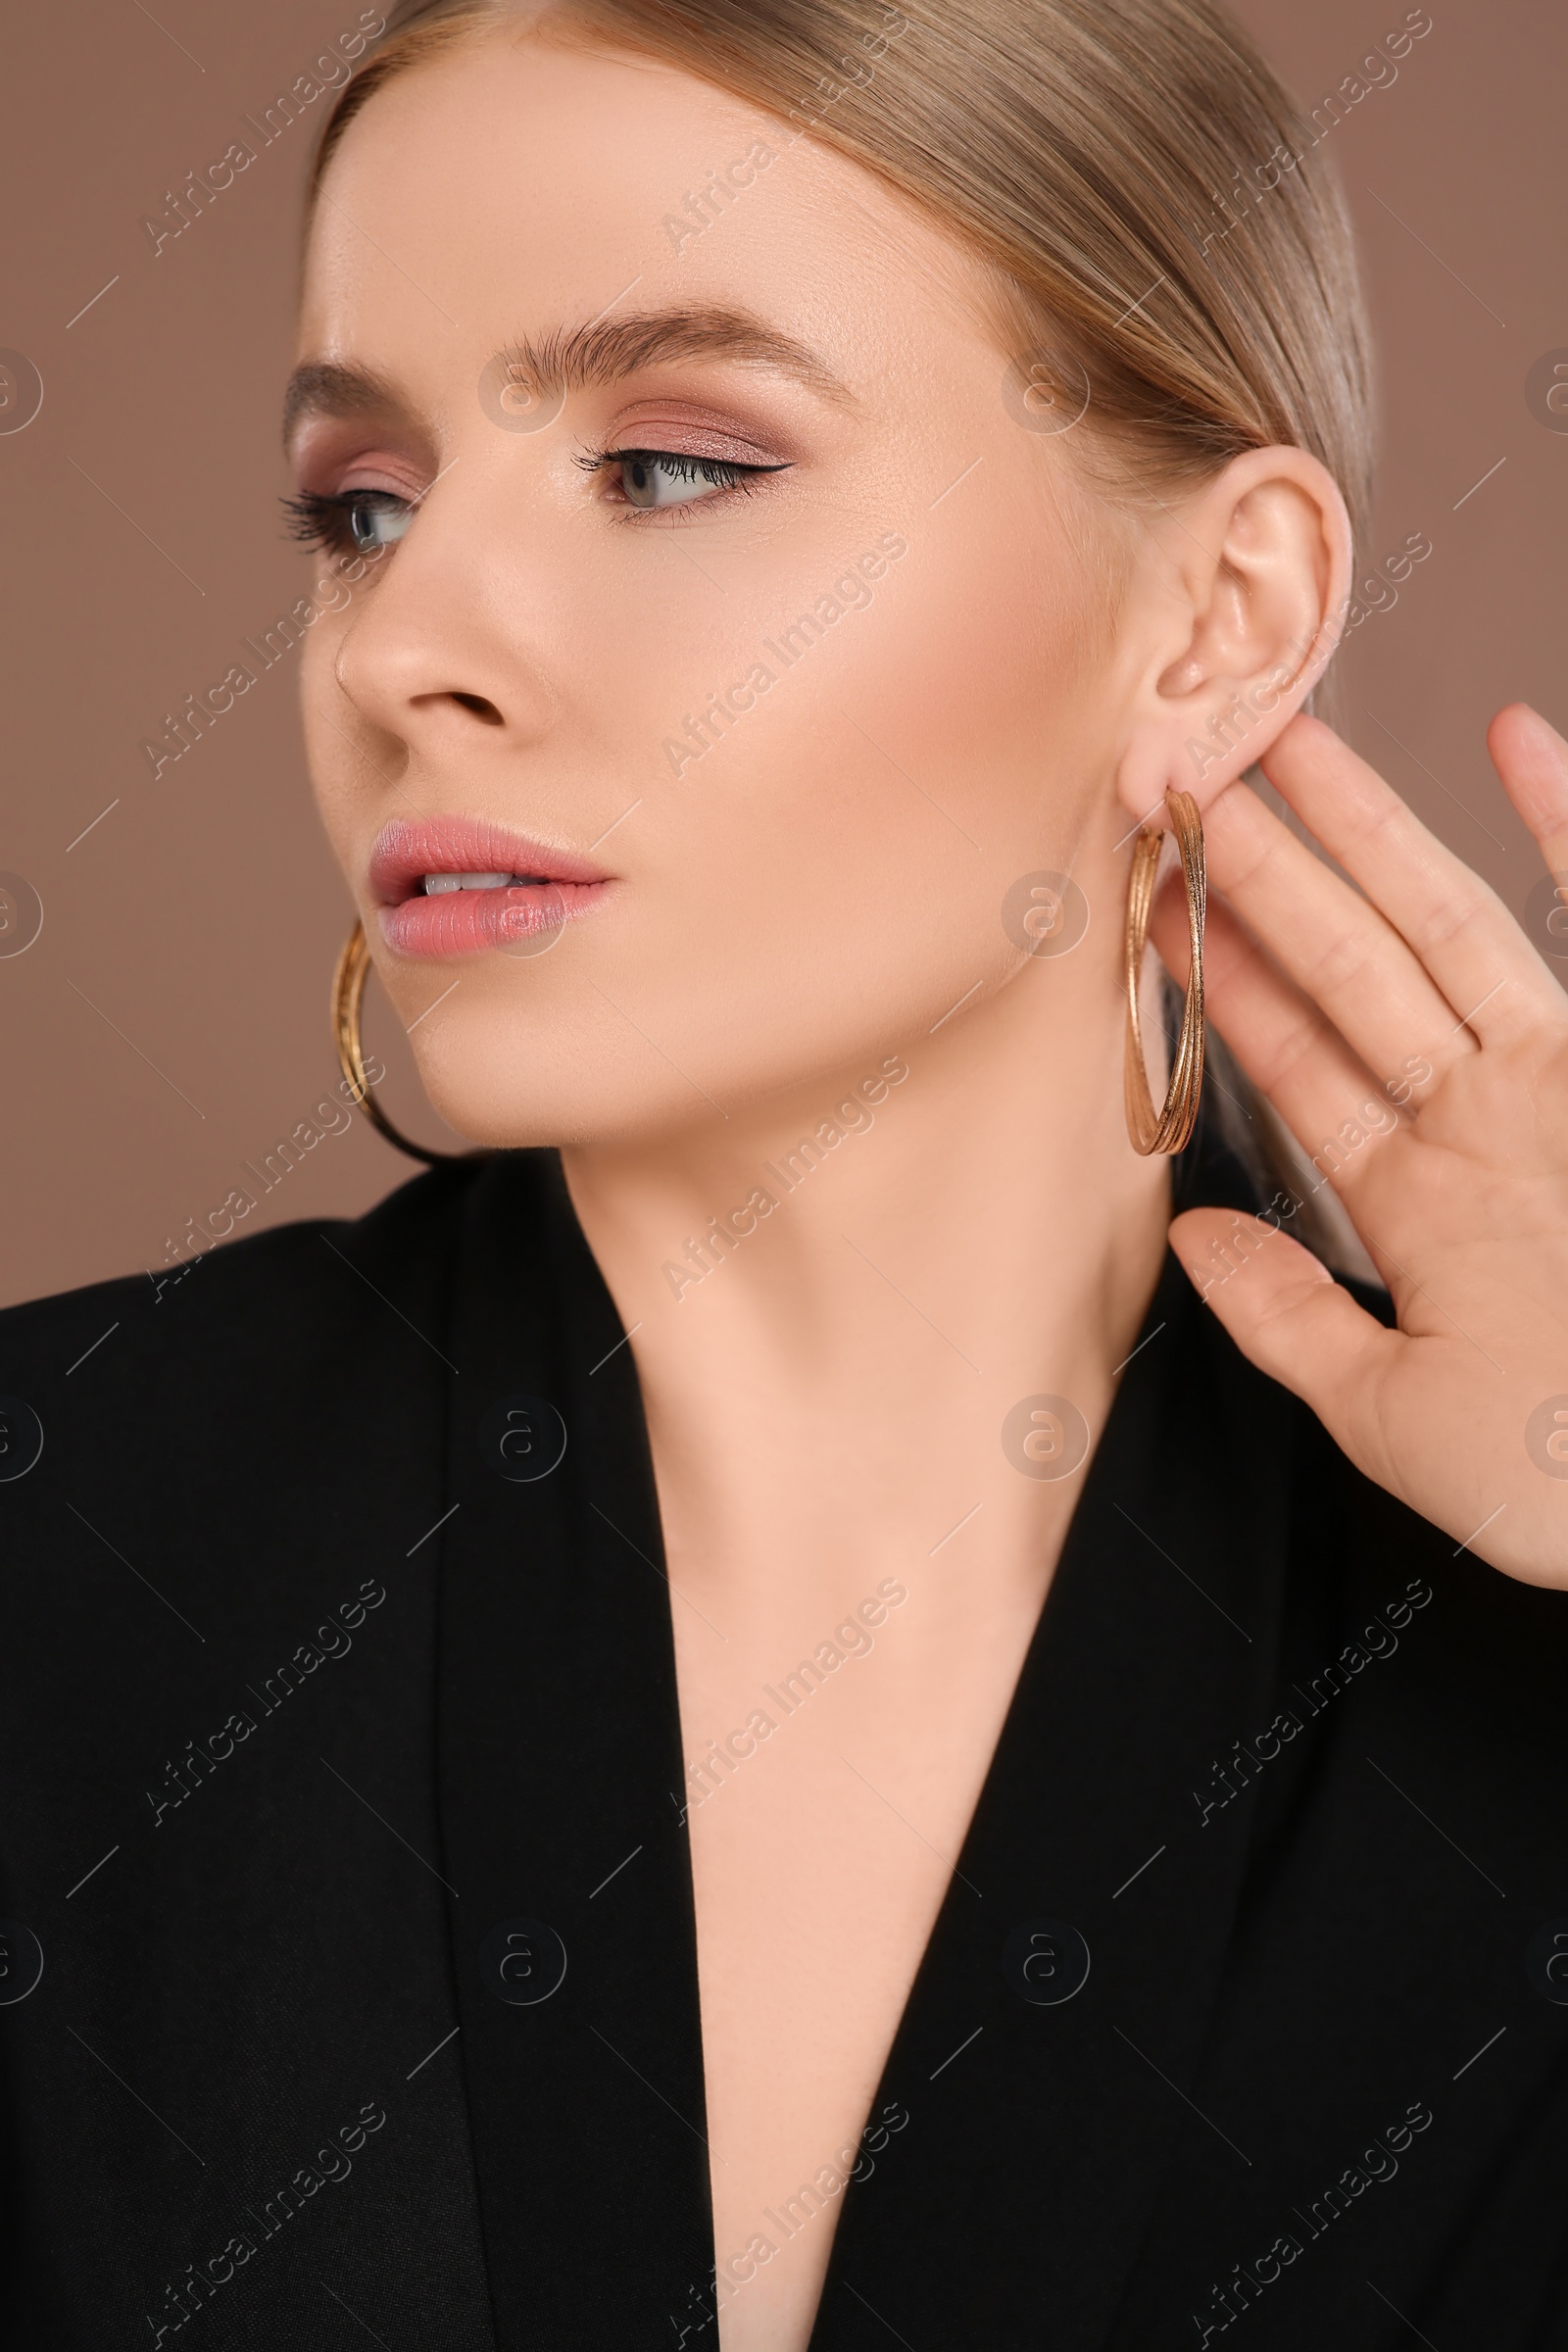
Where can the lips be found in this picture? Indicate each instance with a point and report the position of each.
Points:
(456, 886)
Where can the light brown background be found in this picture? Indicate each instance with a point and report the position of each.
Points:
(169, 1020)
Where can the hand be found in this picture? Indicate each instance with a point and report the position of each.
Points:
(1416, 1046)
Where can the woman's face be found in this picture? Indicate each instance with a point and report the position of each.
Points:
(780, 718)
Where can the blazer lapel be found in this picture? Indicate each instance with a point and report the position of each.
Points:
(560, 1770)
(1017, 2143)
(1017, 2140)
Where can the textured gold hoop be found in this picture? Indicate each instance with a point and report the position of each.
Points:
(348, 995)
(1171, 1129)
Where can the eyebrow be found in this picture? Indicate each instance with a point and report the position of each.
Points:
(572, 359)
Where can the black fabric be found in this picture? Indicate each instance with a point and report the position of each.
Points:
(1310, 2083)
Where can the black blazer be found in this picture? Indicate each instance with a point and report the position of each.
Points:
(343, 1817)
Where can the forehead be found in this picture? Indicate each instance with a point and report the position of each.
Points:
(513, 183)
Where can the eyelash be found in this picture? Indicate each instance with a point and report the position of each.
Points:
(322, 518)
(720, 474)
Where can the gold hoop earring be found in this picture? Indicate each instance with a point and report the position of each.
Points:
(348, 995)
(1173, 1127)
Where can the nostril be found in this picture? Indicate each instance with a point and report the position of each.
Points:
(480, 708)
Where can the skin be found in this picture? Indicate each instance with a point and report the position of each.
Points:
(806, 905)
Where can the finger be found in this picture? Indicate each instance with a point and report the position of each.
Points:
(1325, 1093)
(1290, 1318)
(1461, 931)
(1345, 955)
(1531, 758)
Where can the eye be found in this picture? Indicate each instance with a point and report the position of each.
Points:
(664, 477)
(361, 522)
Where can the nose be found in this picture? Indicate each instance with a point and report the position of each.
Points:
(444, 654)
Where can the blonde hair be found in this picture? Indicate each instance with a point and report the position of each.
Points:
(1128, 169)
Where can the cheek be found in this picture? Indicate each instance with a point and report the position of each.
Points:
(966, 687)
(911, 760)
(841, 851)
(347, 791)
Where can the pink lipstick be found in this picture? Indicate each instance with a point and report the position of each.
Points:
(459, 885)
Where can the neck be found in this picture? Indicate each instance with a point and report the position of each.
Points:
(841, 1295)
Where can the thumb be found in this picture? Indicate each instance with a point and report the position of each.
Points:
(1290, 1317)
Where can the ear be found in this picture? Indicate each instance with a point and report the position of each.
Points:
(1235, 606)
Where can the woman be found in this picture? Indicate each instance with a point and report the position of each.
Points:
(772, 1712)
